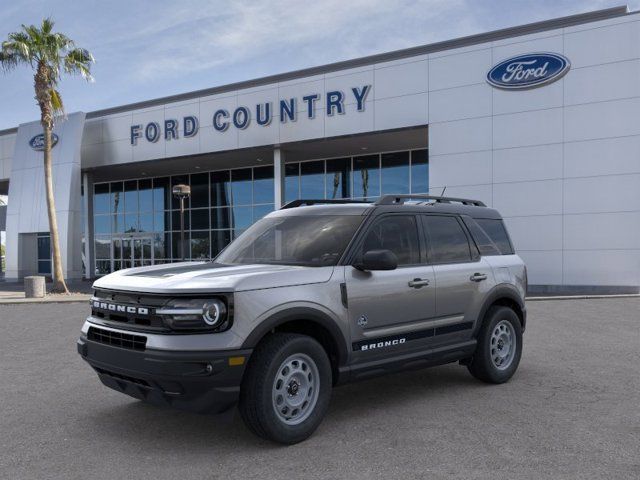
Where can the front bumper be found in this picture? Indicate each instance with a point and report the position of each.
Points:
(202, 382)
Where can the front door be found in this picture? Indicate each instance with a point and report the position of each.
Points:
(387, 309)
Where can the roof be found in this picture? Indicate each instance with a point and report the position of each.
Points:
(529, 28)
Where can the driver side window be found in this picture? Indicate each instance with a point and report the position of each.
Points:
(398, 233)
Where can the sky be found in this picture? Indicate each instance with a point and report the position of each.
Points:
(146, 49)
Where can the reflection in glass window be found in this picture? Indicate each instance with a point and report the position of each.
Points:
(420, 171)
(447, 240)
(161, 221)
(145, 222)
(312, 180)
(101, 224)
(263, 185)
(131, 196)
(219, 240)
(395, 172)
(176, 246)
(175, 220)
(131, 222)
(200, 190)
(160, 242)
(260, 211)
(117, 223)
(397, 233)
(199, 245)
(101, 198)
(338, 178)
(145, 195)
(220, 218)
(241, 186)
(161, 194)
(242, 217)
(103, 249)
(200, 219)
(291, 182)
(116, 197)
(220, 189)
(366, 177)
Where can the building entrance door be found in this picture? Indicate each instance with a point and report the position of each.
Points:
(131, 251)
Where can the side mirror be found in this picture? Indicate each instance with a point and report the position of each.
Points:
(377, 260)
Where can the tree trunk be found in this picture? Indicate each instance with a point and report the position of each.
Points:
(59, 285)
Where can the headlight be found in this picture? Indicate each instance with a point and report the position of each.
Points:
(195, 314)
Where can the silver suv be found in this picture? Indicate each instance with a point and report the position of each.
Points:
(316, 294)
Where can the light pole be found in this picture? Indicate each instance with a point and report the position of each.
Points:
(181, 192)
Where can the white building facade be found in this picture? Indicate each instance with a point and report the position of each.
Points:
(540, 121)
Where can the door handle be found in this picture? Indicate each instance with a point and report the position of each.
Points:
(477, 277)
(418, 282)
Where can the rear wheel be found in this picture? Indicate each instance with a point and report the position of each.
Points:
(286, 390)
(499, 346)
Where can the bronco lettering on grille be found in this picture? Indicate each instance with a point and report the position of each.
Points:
(112, 307)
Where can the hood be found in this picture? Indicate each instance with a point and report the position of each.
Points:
(199, 277)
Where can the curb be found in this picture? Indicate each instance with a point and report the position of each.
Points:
(21, 301)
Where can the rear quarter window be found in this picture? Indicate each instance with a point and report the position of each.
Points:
(497, 232)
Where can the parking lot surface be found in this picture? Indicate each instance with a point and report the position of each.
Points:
(571, 411)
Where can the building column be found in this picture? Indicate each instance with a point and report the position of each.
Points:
(87, 207)
(278, 178)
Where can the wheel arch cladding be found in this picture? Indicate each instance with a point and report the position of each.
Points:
(506, 296)
(306, 321)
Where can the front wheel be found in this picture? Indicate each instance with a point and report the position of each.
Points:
(499, 346)
(286, 390)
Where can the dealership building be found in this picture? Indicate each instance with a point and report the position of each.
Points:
(540, 121)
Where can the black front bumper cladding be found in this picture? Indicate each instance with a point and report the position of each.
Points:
(202, 382)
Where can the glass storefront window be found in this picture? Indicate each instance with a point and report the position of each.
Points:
(291, 182)
(200, 245)
(241, 186)
(145, 195)
(312, 179)
(200, 219)
(116, 197)
(200, 190)
(137, 222)
(338, 179)
(395, 172)
(366, 177)
(220, 189)
(161, 194)
(131, 196)
(420, 171)
(263, 185)
(101, 198)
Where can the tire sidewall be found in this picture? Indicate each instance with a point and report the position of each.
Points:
(273, 424)
(497, 315)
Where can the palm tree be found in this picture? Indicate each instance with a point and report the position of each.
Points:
(49, 54)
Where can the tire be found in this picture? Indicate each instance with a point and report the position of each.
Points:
(499, 346)
(287, 372)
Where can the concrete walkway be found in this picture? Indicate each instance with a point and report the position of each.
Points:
(13, 293)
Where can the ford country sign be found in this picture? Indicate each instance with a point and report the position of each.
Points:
(37, 142)
(528, 71)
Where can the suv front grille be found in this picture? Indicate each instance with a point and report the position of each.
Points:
(134, 310)
(117, 339)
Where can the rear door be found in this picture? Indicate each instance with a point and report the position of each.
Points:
(386, 306)
(462, 277)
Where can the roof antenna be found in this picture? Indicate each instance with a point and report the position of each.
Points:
(442, 194)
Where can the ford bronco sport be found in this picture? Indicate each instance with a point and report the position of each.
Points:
(316, 294)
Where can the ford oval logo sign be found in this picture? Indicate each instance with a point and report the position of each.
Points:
(528, 71)
(37, 142)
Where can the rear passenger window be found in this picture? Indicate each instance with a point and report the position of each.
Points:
(484, 243)
(497, 233)
(396, 233)
(447, 241)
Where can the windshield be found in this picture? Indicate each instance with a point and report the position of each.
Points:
(313, 240)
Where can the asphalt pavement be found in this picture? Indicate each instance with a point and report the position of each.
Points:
(572, 411)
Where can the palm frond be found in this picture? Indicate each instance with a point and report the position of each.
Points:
(56, 102)
(78, 61)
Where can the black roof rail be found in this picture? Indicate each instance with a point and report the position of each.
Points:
(400, 199)
(301, 202)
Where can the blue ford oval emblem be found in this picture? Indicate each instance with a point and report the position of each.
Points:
(37, 142)
(528, 71)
